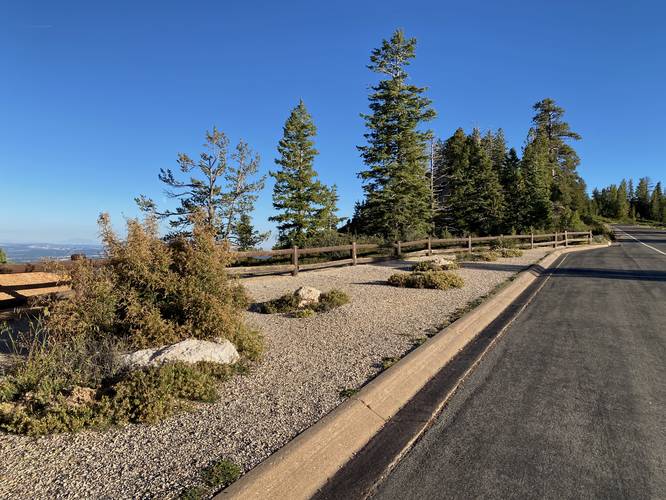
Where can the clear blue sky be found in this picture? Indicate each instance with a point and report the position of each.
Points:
(96, 97)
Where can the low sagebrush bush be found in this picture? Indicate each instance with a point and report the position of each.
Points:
(510, 252)
(221, 474)
(150, 293)
(488, 256)
(331, 299)
(288, 304)
(153, 292)
(438, 280)
(431, 265)
(141, 396)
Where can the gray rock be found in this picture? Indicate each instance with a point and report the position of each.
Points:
(307, 295)
(188, 351)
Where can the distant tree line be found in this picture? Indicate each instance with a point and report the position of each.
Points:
(623, 202)
(414, 184)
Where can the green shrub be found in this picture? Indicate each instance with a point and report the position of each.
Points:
(510, 252)
(3, 256)
(288, 304)
(489, 256)
(141, 396)
(221, 474)
(332, 299)
(430, 265)
(304, 313)
(439, 280)
(389, 362)
(347, 393)
(153, 292)
(193, 493)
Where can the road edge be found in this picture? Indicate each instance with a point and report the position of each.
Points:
(303, 465)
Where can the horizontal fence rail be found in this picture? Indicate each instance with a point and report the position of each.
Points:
(289, 259)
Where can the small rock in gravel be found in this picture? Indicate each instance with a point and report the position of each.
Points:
(307, 295)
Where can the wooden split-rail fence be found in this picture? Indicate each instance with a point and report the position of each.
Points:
(293, 260)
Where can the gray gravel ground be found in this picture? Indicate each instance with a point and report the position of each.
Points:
(308, 362)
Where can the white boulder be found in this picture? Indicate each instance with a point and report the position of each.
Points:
(307, 295)
(444, 262)
(187, 351)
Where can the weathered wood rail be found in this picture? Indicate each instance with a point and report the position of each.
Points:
(13, 295)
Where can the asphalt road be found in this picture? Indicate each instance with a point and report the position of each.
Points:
(571, 401)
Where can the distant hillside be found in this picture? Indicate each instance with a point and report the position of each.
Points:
(31, 252)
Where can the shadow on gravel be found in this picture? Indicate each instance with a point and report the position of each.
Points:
(512, 268)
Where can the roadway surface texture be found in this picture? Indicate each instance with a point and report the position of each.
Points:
(571, 400)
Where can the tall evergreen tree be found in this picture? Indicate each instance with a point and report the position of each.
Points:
(247, 237)
(535, 169)
(453, 189)
(513, 184)
(567, 187)
(622, 200)
(305, 206)
(656, 200)
(397, 193)
(473, 194)
(485, 208)
(642, 197)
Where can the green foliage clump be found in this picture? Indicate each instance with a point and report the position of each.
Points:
(38, 400)
(347, 392)
(510, 252)
(430, 265)
(216, 476)
(389, 362)
(438, 280)
(489, 256)
(332, 299)
(3, 256)
(153, 292)
(221, 474)
(288, 304)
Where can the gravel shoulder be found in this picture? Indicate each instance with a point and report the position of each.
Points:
(307, 363)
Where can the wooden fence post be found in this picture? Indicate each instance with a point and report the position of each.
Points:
(429, 246)
(532, 240)
(469, 243)
(555, 243)
(353, 249)
(398, 249)
(566, 239)
(589, 237)
(294, 260)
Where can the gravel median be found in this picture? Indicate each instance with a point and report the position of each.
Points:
(308, 362)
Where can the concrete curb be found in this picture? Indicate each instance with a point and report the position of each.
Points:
(301, 467)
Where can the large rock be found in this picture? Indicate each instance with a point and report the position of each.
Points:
(444, 262)
(188, 351)
(307, 296)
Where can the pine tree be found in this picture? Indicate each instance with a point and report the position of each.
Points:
(567, 187)
(656, 203)
(304, 204)
(642, 197)
(222, 192)
(453, 186)
(622, 200)
(511, 178)
(247, 237)
(484, 210)
(397, 199)
(535, 169)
